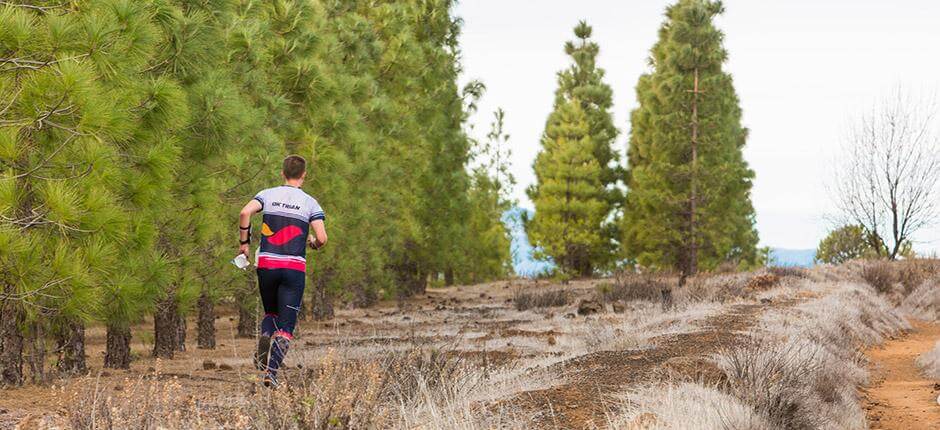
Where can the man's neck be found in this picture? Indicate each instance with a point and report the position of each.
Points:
(293, 183)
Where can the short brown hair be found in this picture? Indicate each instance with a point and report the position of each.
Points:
(294, 167)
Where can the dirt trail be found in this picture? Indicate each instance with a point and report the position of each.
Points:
(580, 402)
(901, 397)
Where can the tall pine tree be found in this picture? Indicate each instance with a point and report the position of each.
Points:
(688, 201)
(569, 200)
(583, 83)
(486, 255)
(71, 113)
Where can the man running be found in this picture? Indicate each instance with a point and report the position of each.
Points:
(288, 216)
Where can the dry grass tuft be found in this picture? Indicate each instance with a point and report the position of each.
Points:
(788, 272)
(141, 403)
(924, 301)
(796, 384)
(628, 287)
(880, 275)
(929, 362)
(914, 272)
(686, 406)
(762, 282)
(725, 288)
(524, 299)
(395, 390)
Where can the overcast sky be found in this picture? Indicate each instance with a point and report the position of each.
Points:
(802, 69)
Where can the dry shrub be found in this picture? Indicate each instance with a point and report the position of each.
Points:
(336, 393)
(777, 380)
(629, 287)
(524, 299)
(726, 268)
(788, 272)
(924, 301)
(800, 369)
(724, 287)
(842, 321)
(880, 275)
(341, 394)
(762, 282)
(914, 272)
(150, 402)
(929, 362)
(804, 371)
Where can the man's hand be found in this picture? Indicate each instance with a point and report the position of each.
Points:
(312, 242)
(243, 249)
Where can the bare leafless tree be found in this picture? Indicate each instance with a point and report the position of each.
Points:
(887, 180)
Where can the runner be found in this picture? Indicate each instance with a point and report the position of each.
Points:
(288, 216)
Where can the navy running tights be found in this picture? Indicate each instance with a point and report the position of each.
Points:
(281, 293)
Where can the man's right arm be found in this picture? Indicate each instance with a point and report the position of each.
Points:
(319, 234)
(244, 224)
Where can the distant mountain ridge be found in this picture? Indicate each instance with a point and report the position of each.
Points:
(525, 265)
(792, 257)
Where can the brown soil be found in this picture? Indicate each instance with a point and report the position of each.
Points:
(469, 318)
(900, 397)
(478, 319)
(580, 403)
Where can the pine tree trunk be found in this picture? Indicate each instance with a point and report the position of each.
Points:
(11, 341)
(364, 297)
(692, 268)
(118, 353)
(586, 269)
(71, 346)
(420, 285)
(246, 301)
(165, 332)
(449, 277)
(206, 336)
(322, 308)
(302, 312)
(37, 353)
(180, 332)
(247, 322)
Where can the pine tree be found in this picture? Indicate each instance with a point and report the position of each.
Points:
(845, 243)
(67, 118)
(584, 81)
(569, 199)
(159, 111)
(130, 131)
(486, 255)
(688, 205)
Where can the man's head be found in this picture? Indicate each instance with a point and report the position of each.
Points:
(295, 168)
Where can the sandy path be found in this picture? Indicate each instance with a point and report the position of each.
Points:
(900, 397)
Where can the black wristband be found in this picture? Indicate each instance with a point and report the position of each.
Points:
(245, 228)
(245, 242)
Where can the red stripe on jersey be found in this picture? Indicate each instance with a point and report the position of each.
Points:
(277, 263)
(285, 235)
